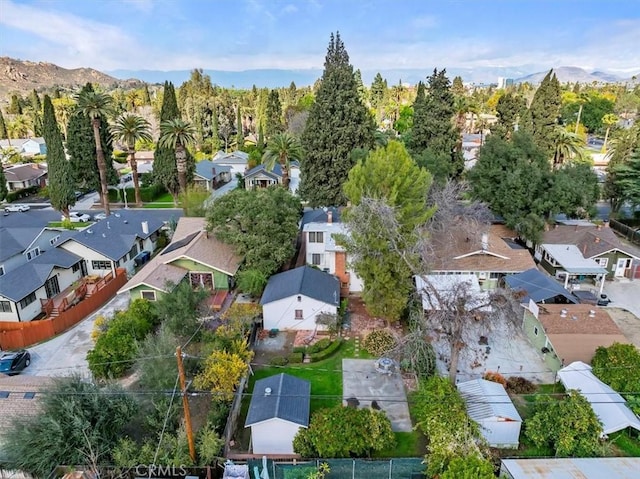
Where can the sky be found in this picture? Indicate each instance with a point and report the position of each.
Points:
(293, 34)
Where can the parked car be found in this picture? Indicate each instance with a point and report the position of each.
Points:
(14, 362)
(16, 207)
(77, 217)
(100, 216)
(78, 194)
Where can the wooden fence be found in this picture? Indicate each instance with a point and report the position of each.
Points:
(17, 335)
(632, 234)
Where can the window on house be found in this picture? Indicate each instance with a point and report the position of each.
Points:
(316, 237)
(54, 240)
(535, 330)
(34, 253)
(316, 259)
(75, 267)
(299, 314)
(494, 275)
(27, 301)
(5, 307)
(101, 264)
(133, 252)
(603, 262)
(148, 295)
(1, 270)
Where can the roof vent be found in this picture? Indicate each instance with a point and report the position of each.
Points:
(125, 222)
(267, 391)
(108, 226)
(90, 232)
(145, 227)
(592, 313)
(104, 235)
(117, 215)
(574, 318)
(563, 313)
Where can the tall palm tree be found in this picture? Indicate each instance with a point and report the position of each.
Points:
(178, 134)
(282, 149)
(128, 129)
(609, 120)
(566, 145)
(97, 106)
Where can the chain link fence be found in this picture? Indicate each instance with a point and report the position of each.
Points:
(398, 468)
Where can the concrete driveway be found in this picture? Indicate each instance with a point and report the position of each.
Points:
(624, 294)
(66, 354)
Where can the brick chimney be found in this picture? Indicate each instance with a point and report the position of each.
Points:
(597, 239)
(329, 216)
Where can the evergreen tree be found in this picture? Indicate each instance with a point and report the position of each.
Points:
(61, 188)
(3, 185)
(362, 91)
(3, 128)
(260, 143)
(165, 171)
(273, 123)
(146, 98)
(434, 139)
(378, 89)
(457, 87)
(509, 110)
(81, 149)
(34, 101)
(338, 123)
(239, 129)
(542, 116)
(15, 106)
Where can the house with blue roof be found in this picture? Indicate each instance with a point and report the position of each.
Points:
(279, 408)
(43, 277)
(208, 174)
(115, 241)
(292, 300)
(261, 177)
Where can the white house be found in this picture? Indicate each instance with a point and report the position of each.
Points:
(279, 408)
(489, 405)
(24, 176)
(292, 300)
(322, 251)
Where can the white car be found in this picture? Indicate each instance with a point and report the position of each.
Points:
(16, 207)
(77, 217)
(99, 216)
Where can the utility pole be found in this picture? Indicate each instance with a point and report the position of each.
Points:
(185, 405)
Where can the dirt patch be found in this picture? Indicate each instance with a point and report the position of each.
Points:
(268, 348)
(628, 323)
(362, 323)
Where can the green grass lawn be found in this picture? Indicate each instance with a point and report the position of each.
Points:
(625, 444)
(159, 205)
(163, 198)
(58, 224)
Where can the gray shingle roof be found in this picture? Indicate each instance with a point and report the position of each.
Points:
(304, 280)
(288, 398)
(538, 286)
(18, 230)
(319, 215)
(115, 236)
(205, 169)
(487, 399)
(25, 279)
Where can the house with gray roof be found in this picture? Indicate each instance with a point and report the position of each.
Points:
(261, 177)
(26, 146)
(208, 174)
(24, 176)
(43, 277)
(292, 300)
(541, 288)
(237, 160)
(115, 241)
(279, 407)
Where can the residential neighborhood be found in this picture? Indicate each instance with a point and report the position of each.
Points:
(368, 268)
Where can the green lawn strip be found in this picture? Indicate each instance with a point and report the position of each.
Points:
(164, 198)
(58, 224)
(627, 445)
(159, 205)
(408, 444)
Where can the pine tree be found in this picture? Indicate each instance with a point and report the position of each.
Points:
(61, 188)
(146, 98)
(34, 101)
(378, 89)
(15, 107)
(510, 109)
(239, 129)
(273, 123)
(542, 116)
(362, 91)
(260, 143)
(457, 87)
(3, 128)
(338, 123)
(434, 139)
(165, 171)
(81, 149)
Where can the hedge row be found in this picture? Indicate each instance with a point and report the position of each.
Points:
(23, 193)
(147, 194)
(325, 353)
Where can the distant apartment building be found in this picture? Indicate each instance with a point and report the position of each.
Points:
(504, 82)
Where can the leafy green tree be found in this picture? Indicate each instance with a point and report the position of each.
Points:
(273, 123)
(514, 179)
(61, 188)
(471, 467)
(619, 366)
(627, 179)
(390, 174)
(575, 190)
(510, 110)
(165, 171)
(434, 140)
(338, 123)
(260, 224)
(282, 149)
(543, 114)
(3, 185)
(623, 145)
(362, 432)
(569, 427)
(608, 121)
(193, 201)
(179, 310)
(3, 128)
(252, 281)
(155, 370)
(591, 106)
(77, 423)
(178, 134)
(130, 129)
(97, 106)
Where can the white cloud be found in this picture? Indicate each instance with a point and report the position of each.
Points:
(290, 8)
(424, 22)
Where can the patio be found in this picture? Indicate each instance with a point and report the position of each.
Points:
(74, 294)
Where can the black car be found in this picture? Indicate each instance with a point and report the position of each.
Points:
(14, 362)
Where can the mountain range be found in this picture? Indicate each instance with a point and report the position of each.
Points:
(24, 76)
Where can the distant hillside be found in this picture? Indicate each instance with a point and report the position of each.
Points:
(572, 75)
(24, 76)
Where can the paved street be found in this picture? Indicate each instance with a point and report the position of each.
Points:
(66, 354)
(624, 294)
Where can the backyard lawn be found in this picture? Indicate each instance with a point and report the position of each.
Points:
(163, 201)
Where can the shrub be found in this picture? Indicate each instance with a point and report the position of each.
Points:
(23, 193)
(379, 342)
(325, 353)
(295, 358)
(300, 349)
(278, 361)
(520, 385)
(319, 346)
(495, 377)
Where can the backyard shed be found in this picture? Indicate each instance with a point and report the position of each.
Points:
(279, 408)
(571, 468)
(490, 406)
(609, 406)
